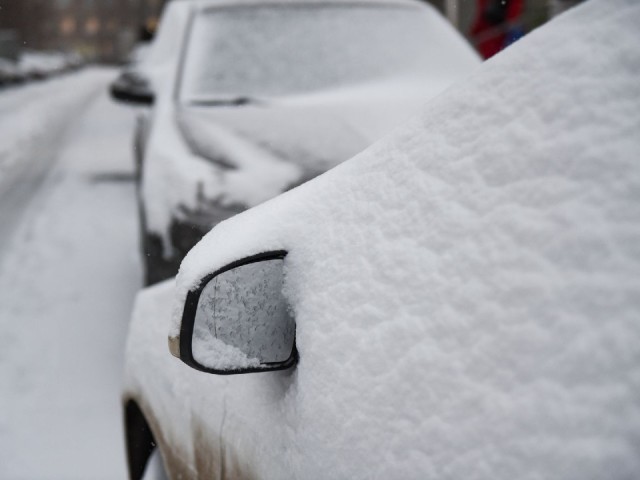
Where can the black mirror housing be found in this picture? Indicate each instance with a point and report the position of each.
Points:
(133, 88)
(237, 320)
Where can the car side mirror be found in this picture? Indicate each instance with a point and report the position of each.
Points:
(133, 88)
(238, 321)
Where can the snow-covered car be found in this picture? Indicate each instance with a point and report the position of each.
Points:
(9, 72)
(253, 99)
(460, 300)
(139, 52)
(38, 65)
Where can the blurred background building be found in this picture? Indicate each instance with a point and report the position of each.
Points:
(102, 30)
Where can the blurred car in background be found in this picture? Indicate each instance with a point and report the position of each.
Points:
(138, 53)
(252, 100)
(37, 65)
(461, 299)
(10, 74)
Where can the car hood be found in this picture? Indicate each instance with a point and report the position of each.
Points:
(313, 132)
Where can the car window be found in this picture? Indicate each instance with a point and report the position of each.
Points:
(277, 50)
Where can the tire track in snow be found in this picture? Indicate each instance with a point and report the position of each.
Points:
(35, 122)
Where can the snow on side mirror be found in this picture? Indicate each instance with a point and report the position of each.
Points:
(237, 320)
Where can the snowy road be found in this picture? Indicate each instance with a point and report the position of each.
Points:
(33, 121)
(68, 274)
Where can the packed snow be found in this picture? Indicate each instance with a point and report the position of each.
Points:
(38, 114)
(33, 121)
(213, 353)
(466, 291)
(68, 274)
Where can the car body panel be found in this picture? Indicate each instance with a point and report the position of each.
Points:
(463, 309)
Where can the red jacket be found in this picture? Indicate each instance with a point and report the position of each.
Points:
(494, 19)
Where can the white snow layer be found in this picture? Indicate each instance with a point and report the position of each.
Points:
(37, 114)
(466, 291)
(67, 281)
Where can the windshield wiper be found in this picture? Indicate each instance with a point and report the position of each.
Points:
(238, 101)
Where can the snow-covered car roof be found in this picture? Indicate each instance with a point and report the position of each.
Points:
(466, 291)
(226, 3)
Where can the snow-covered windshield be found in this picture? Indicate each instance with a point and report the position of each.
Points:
(246, 52)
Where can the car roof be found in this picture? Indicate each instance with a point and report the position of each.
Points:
(228, 3)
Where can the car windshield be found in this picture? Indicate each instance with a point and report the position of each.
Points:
(237, 54)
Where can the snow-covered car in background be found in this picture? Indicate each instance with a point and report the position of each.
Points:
(465, 293)
(251, 99)
(38, 65)
(9, 72)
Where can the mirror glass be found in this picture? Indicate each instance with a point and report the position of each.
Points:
(242, 319)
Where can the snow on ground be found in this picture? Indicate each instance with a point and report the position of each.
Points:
(67, 280)
(34, 112)
(33, 120)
